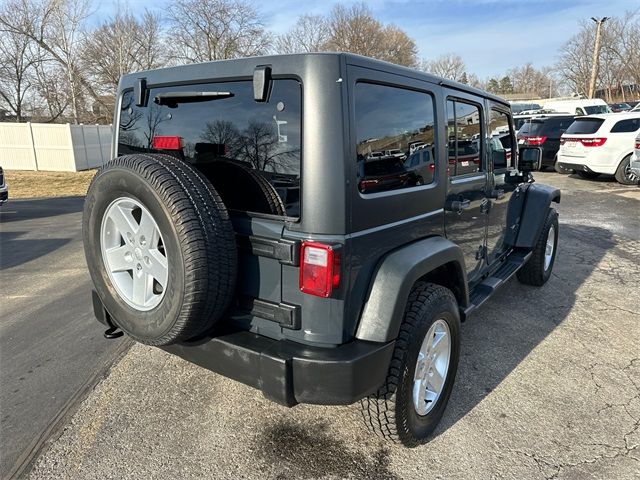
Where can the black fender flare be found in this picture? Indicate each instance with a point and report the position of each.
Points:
(534, 213)
(395, 276)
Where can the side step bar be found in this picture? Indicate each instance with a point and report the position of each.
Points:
(485, 289)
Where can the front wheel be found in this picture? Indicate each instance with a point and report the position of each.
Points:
(538, 269)
(408, 407)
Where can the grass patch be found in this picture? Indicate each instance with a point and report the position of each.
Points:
(26, 184)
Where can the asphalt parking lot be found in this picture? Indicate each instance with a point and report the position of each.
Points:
(548, 387)
(51, 351)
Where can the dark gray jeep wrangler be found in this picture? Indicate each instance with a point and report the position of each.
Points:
(315, 226)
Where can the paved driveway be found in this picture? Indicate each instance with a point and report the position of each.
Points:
(548, 387)
(51, 350)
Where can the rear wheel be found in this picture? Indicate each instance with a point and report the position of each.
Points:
(408, 407)
(624, 175)
(538, 269)
(160, 248)
(587, 175)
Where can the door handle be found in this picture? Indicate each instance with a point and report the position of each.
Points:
(497, 194)
(457, 205)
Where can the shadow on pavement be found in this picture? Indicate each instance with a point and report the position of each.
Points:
(15, 251)
(508, 327)
(29, 209)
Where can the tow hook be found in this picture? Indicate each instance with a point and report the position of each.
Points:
(113, 333)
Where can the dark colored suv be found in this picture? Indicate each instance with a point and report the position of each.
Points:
(545, 132)
(248, 224)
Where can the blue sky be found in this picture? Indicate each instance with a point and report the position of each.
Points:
(490, 35)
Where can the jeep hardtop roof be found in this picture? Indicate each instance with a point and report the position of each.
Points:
(290, 62)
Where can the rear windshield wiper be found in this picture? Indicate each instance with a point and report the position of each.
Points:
(172, 99)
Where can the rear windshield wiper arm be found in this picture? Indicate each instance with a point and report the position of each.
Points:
(172, 99)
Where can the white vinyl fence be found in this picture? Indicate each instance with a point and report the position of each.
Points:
(48, 146)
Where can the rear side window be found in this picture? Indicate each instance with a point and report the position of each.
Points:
(585, 126)
(464, 133)
(626, 126)
(392, 119)
(240, 144)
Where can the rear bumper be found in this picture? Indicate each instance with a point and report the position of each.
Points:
(634, 166)
(587, 164)
(288, 372)
(574, 166)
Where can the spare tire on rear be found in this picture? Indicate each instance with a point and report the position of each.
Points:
(160, 248)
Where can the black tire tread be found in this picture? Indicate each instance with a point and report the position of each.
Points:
(206, 238)
(532, 273)
(379, 411)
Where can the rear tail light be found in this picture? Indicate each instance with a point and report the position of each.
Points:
(593, 142)
(166, 143)
(535, 140)
(587, 142)
(637, 145)
(319, 269)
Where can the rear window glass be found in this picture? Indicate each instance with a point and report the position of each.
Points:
(239, 143)
(585, 125)
(532, 127)
(391, 119)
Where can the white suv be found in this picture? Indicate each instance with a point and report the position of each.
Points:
(598, 144)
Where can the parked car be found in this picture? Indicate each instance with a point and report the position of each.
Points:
(376, 155)
(599, 144)
(354, 295)
(544, 131)
(585, 106)
(4, 189)
(636, 108)
(634, 166)
(396, 153)
(620, 107)
(413, 146)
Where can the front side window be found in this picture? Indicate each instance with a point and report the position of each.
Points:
(219, 127)
(500, 145)
(464, 133)
(395, 134)
(626, 126)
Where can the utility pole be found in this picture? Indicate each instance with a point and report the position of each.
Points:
(596, 55)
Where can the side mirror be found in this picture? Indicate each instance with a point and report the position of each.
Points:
(529, 159)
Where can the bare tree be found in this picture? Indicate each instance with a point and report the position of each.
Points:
(56, 27)
(206, 30)
(223, 132)
(50, 83)
(448, 65)
(575, 59)
(309, 34)
(355, 30)
(122, 45)
(528, 79)
(17, 61)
